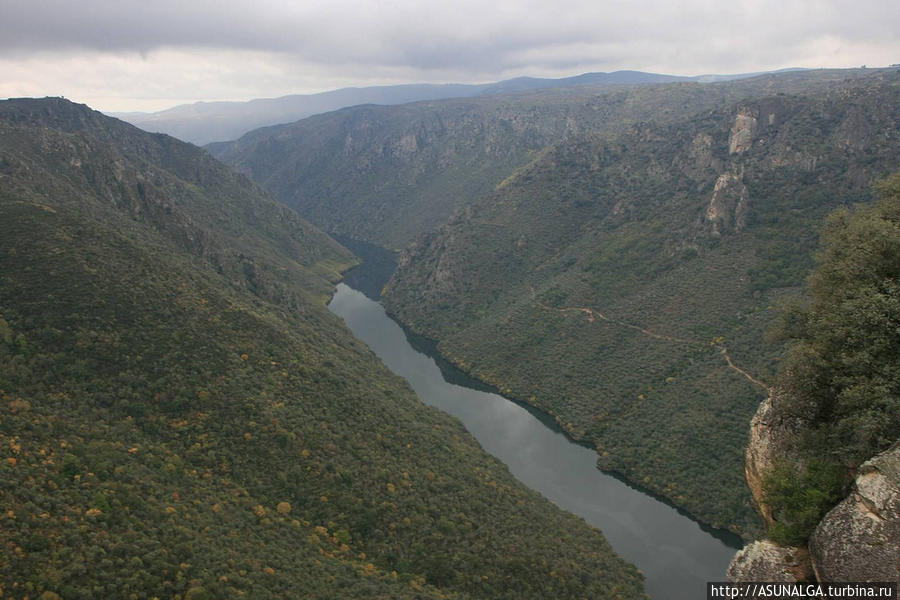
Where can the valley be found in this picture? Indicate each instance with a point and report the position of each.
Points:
(674, 553)
(610, 255)
(610, 277)
(182, 417)
(429, 300)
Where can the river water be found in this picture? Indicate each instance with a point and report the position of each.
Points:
(675, 554)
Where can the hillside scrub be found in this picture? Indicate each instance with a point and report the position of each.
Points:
(842, 373)
(181, 416)
(623, 282)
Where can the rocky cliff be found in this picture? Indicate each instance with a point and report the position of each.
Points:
(772, 436)
(858, 540)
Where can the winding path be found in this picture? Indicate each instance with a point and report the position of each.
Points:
(742, 371)
(593, 315)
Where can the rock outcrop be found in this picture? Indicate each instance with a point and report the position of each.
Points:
(859, 539)
(772, 437)
(767, 561)
(701, 151)
(729, 204)
(742, 132)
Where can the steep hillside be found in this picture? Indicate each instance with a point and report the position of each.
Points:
(840, 381)
(623, 283)
(386, 174)
(823, 460)
(183, 418)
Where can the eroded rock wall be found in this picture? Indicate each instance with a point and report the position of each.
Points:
(859, 539)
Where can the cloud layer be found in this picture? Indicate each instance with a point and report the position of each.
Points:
(173, 51)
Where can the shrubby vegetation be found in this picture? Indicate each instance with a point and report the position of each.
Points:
(387, 174)
(599, 284)
(181, 417)
(842, 374)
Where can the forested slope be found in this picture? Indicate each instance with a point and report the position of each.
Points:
(840, 382)
(623, 282)
(183, 418)
(823, 458)
(386, 174)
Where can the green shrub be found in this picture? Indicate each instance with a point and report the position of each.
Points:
(842, 374)
(800, 496)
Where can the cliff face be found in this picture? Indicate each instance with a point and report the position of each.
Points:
(772, 435)
(742, 132)
(729, 205)
(859, 540)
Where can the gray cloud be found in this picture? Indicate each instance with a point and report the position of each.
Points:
(427, 35)
(393, 40)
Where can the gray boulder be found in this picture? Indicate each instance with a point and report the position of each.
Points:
(859, 539)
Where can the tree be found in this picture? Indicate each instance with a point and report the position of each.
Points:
(842, 373)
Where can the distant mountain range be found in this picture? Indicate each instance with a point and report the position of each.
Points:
(204, 122)
(386, 174)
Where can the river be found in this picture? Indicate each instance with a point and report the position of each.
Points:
(676, 555)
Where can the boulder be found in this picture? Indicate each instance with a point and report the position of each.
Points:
(773, 436)
(767, 561)
(859, 539)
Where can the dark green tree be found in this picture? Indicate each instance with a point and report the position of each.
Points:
(842, 374)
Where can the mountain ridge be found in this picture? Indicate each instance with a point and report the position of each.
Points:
(389, 173)
(206, 122)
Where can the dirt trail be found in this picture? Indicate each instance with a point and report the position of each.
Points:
(740, 370)
(593, 315)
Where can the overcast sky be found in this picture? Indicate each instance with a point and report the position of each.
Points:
(119, 55)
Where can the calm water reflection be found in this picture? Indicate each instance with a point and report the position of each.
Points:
(676, 556)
